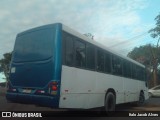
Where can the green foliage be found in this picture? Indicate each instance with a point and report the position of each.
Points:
(5, 63)
(144, 54)
(155, 32)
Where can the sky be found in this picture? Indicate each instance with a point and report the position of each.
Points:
(2, 77)
(120, 25)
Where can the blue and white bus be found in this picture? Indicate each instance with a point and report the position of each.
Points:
(55, 66)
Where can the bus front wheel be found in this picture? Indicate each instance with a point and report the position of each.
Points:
(141, 99)
(110, 102)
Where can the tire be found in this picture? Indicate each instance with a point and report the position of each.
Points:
(141, 99)
(110, 102)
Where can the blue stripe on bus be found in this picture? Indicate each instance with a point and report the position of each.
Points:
(57, 57)
(57, 53)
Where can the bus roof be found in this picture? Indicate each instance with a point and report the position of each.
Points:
(37, 28)
(75, 33)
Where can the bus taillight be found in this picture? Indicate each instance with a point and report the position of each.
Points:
(54, 87)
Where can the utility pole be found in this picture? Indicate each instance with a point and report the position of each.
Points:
(154, 63)
(155, 33)
(155, 72)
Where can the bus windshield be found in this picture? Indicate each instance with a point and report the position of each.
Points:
(33, 46)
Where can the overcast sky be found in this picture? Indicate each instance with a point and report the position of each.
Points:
(112, 22)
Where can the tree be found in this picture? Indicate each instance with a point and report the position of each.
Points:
(155, 33)
(144, 55)
(5, 63)
(141, 54)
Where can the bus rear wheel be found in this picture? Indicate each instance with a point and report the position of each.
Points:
(110, 102)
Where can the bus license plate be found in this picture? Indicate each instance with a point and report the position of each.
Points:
(27, 91)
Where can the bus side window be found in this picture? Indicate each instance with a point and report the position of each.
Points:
(108, 62)
(69, 51)
(127, 69)
(116, 65)
(140, 73)
(90, 63)
(80, 54)
(134, 73)
(100, 60)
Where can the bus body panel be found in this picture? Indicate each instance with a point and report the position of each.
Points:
(48, 101)
(79, 85)
(33, 74)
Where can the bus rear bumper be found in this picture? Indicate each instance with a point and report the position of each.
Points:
(42, 100)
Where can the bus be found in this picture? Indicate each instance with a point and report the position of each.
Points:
(55, 66)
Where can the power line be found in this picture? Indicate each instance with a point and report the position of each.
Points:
(125, 49)
(130, 40)
(148, 41)
(127, 46)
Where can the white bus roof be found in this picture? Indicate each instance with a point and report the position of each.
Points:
(75, 33)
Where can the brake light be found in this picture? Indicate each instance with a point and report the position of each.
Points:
(54, 87)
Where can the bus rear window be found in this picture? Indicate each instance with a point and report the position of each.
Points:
(34, 46)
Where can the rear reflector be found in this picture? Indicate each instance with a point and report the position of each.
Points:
(14, 90)
(40, 91)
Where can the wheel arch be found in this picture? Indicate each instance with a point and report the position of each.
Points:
(112, 91)
(142, 91)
